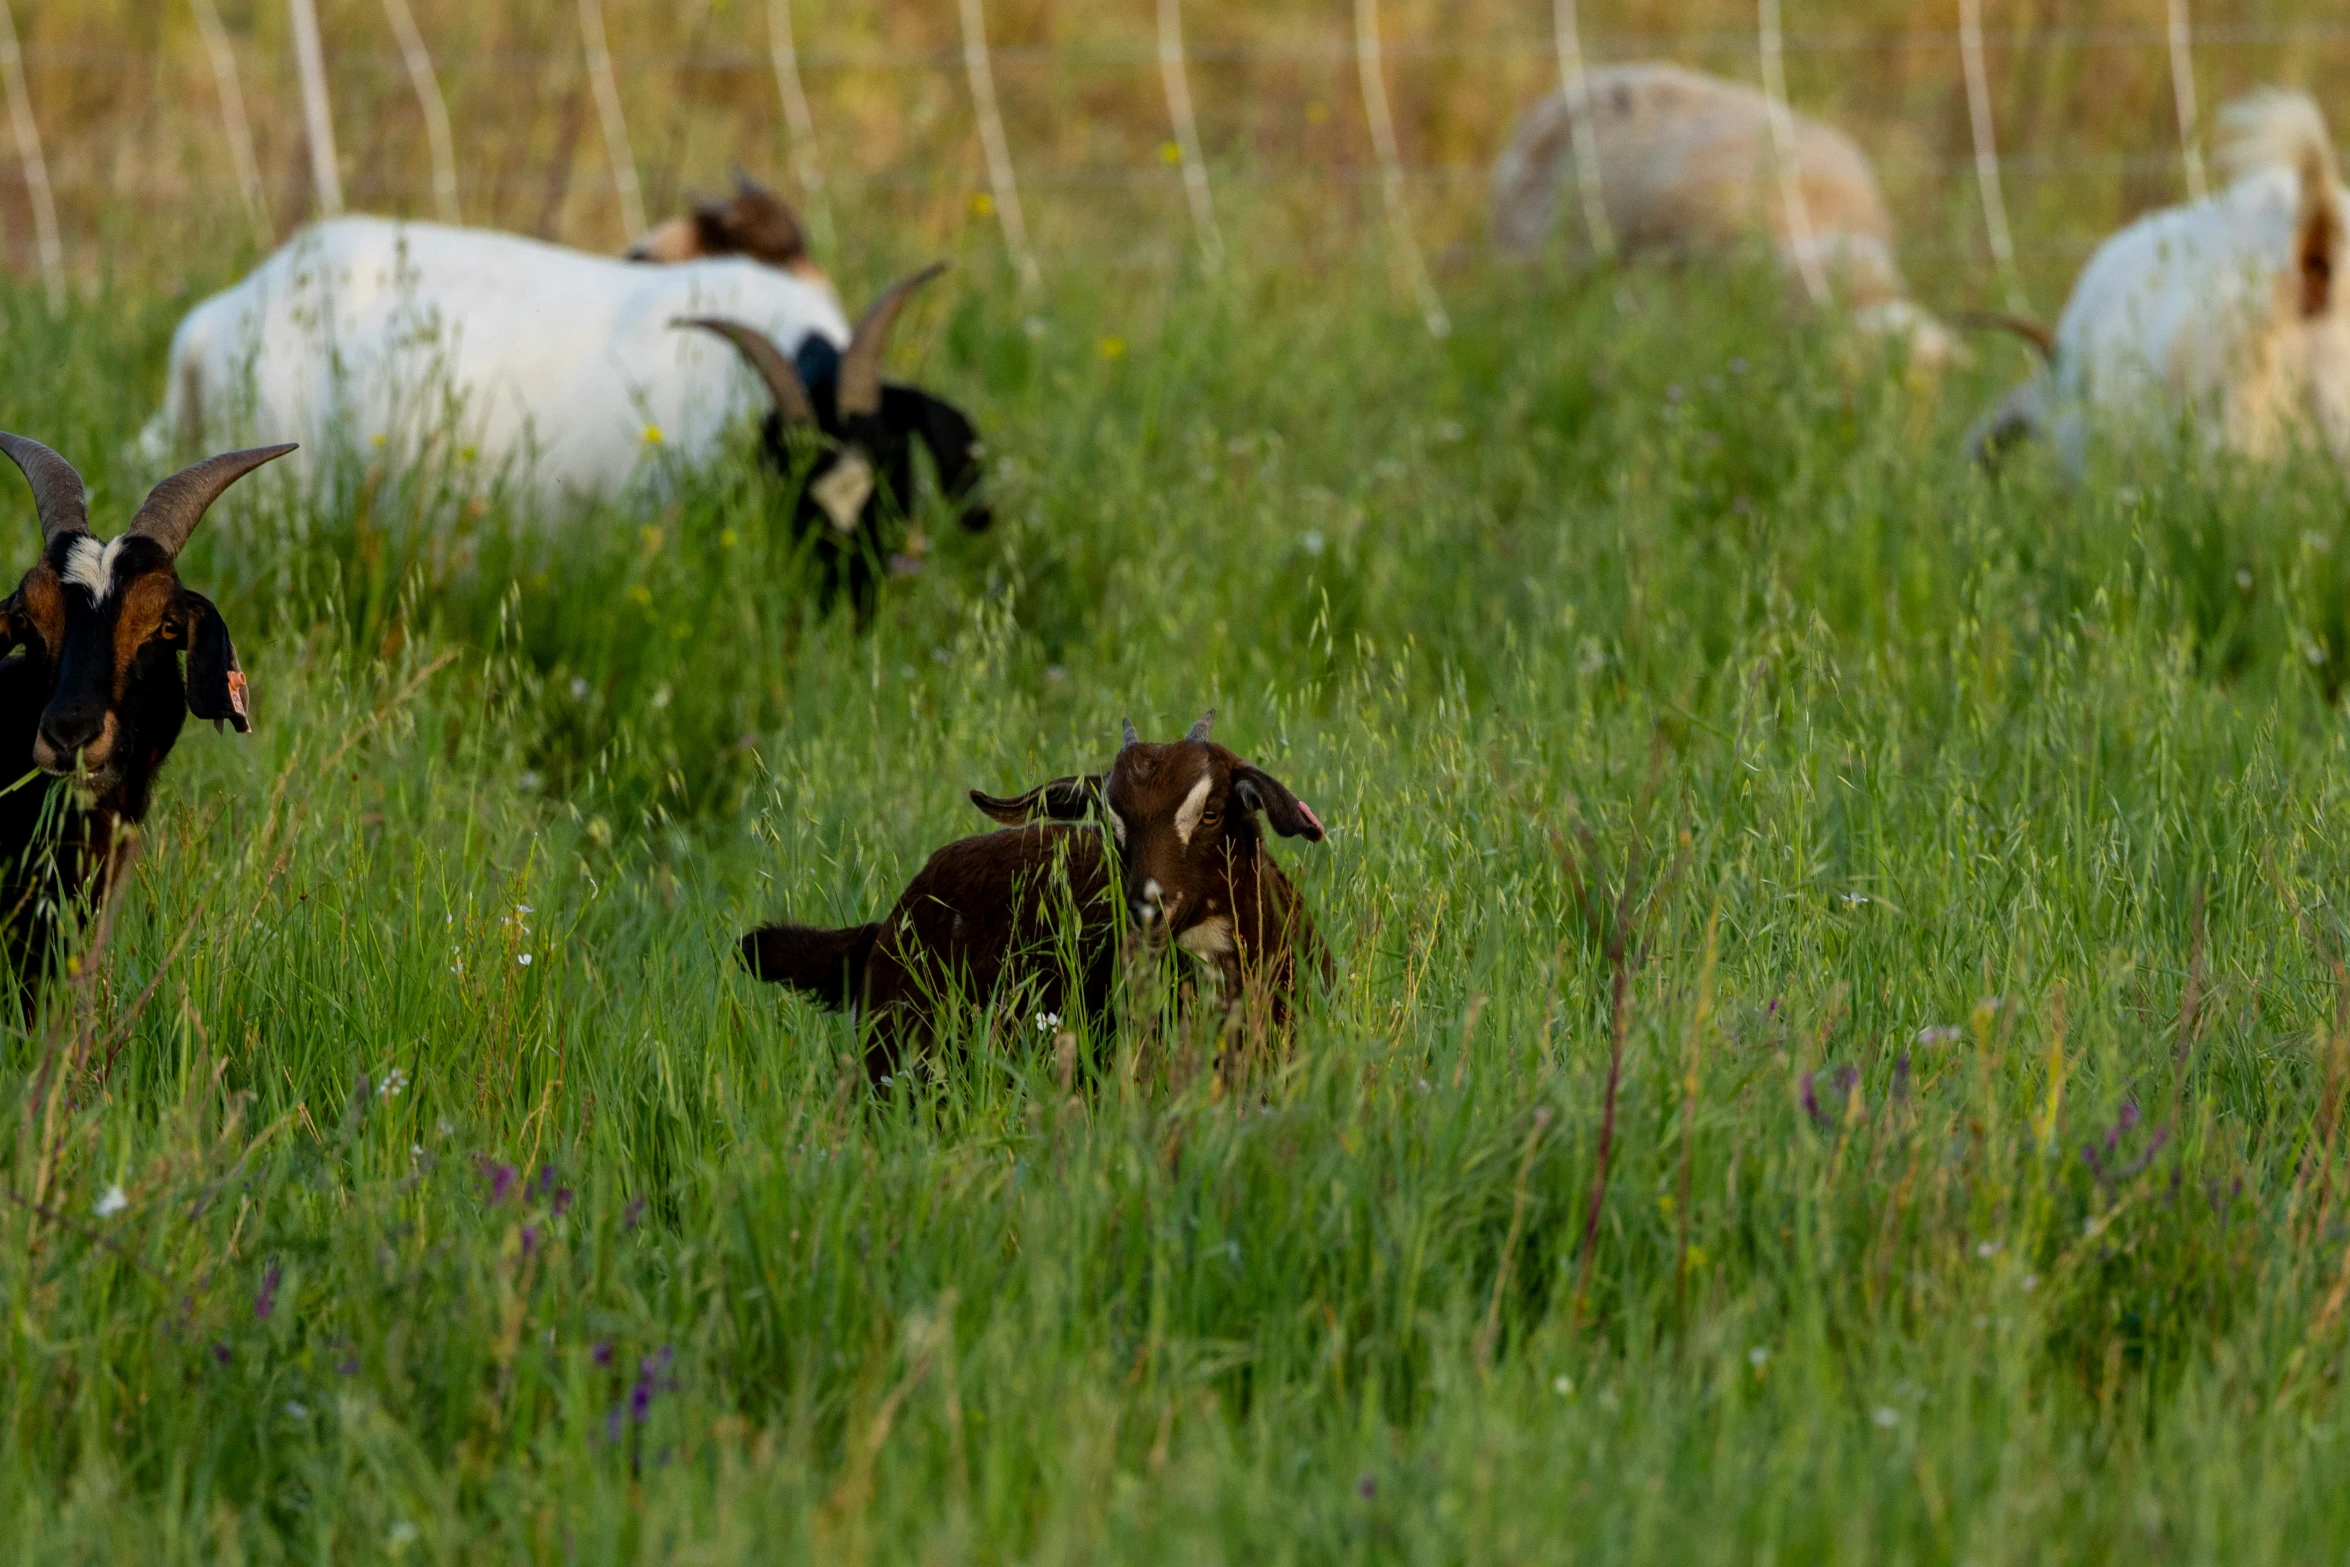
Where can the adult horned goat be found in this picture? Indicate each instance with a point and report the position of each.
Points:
(94, 696)
(1186, 863)
(495, 359)
(850, 436)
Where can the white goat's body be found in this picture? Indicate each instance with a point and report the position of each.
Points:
(1688, 168)
(552, 370)
(2222, 318)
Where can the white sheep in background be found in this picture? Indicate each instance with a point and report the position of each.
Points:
(508, 360)
(1687, 168)
(2224, 317)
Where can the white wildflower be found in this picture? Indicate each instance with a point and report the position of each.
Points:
(111, 1202)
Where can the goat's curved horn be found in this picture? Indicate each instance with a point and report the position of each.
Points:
(173, 508)
(1128, 736)
(59, 495)
(860, 367)
(1199, 731)
(756, 347)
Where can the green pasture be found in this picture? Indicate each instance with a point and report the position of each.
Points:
(1939, 879)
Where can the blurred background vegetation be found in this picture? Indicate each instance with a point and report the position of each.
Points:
(127, 107)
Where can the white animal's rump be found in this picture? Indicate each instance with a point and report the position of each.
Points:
(2225, 316)
(90, 565)
(1194, 805)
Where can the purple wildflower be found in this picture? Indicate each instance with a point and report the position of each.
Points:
(1845, 1077)
(220, 1353)
(501, 1182)
(1811, 1105)
(1366, 1487)
(636, 1211)
(530, 1240)
(1900, 1088)
(603, 1352)
(348, 1365)
(652, 1379)
(546, 1181)
(265, 1301)
(562, 1202)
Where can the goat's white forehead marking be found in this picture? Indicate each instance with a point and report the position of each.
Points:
(91, 564)
(1195, 805)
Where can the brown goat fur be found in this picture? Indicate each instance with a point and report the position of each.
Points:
(989, 917)
(754, 223)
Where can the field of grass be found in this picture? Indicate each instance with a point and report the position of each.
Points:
(1838, 1047)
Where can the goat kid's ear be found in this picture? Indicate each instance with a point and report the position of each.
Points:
(1291, 817)
(1062, 800)
(216, 684)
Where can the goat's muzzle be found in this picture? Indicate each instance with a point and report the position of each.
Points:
(1152, 913)
(75, 738)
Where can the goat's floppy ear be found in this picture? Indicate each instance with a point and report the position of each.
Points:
(216, 685)
(1062, 800)
(954, 447)
(1291, 817)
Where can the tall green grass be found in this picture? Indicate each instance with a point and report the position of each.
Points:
(1943, 873)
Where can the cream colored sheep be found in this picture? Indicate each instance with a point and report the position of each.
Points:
(1687, 168)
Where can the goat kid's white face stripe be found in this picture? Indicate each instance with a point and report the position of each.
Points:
(1195, 804)
(91, 565)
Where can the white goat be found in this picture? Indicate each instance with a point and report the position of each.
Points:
(2224, 318)
(554, 371)
(1687, 168)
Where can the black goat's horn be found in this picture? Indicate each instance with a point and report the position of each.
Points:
(783, 382)
(1199, 731)
(860, 367)
(1129, 737)
(59, 495)
(173, 508)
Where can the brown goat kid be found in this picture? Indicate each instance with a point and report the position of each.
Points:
(1188, 863)
(94, 697)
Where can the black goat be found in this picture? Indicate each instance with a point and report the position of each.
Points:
(93, 696)
(849, 436)
(1188, 861)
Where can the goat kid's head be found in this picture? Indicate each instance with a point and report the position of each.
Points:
(862, 429)
(107, 619)
(753, 223)
(1182, 813)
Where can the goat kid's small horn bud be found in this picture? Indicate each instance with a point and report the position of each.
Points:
(1127, 736)
(1199, 731)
